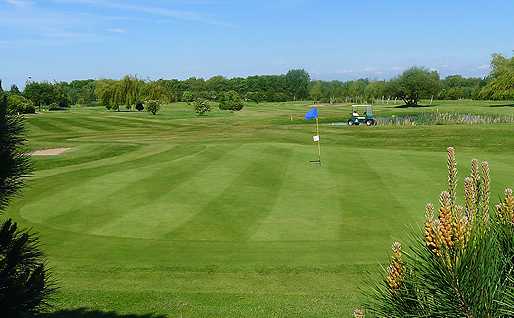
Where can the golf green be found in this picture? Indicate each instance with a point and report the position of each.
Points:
(224, 216)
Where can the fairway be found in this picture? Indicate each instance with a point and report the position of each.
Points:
(224, 216)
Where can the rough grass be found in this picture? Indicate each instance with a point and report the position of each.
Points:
(223, 215)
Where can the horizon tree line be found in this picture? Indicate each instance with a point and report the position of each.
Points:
(294, 85)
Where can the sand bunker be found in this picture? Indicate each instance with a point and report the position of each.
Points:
(50, 152)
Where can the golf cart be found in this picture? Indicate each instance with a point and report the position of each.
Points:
(362, 114)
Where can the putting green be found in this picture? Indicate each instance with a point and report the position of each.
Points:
(224, 215)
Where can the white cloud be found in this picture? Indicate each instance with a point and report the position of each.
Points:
(483, 67)
(150, 10)
(19, 3)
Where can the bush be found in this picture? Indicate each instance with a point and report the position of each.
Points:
(24, 279)
(462, 265)
(231, 101)
(201, 106)
(153, 106)
(187, 97)
(140, 107)
(19, 104)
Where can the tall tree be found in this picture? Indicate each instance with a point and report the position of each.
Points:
(501, 78)
(414, 84)
(298, 83)
(25, 286)
(15, 90)
(316, 91)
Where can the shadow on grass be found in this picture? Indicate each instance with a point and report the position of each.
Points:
(417, 106)
(90, 313)
(501, 105)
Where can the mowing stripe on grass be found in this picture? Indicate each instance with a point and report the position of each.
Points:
(304, 208)
(158, 190)
(234, 214)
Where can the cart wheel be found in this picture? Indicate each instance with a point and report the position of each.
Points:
(369, 122)
(350, 122)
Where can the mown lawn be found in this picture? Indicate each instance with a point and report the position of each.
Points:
(224, 216)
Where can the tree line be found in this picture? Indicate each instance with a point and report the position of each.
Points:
(130, 91)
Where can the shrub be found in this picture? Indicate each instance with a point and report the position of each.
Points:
(187, 97)
(231, 101)
(201, 106)
(462, 264)
(139, 106)
(153, 106)
(19, 104)
(25, 284)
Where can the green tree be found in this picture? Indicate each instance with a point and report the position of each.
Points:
(316, 91)
(201, 106)
(375, 90)
(19, 104)
(414, 84)
(40, 93)
(231, 101)
(187, 97)
(153, 106)
(14, 90)
(255, 97)
(130, 90)
(298, 83)
(501, 78)
(108, 93)
(25, 285)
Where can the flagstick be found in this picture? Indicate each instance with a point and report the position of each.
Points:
(319, 146)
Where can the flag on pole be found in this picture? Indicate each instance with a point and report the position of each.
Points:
(312, 113)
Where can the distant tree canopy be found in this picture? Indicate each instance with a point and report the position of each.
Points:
(414, 84)
(298, 84)
(501, 79)
(411, 86)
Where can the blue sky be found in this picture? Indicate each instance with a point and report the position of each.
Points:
(77, 39)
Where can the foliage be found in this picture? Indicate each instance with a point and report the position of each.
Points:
(19, 104)
(231, 101)
(25, 283)
(140, 106)
(14, 164)
(414, 84)
(40, 93)
(187, 97)
(202, 106)
(458, 87)
(153, 106)
(25, 286)
(14, 90)
(501, 79)
(81, 92)
(298, 84)
(462, 266)
(316, 91)
(130, 90)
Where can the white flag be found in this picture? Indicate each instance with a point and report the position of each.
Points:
(315, 138)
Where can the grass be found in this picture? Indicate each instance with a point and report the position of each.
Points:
(224, 216)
